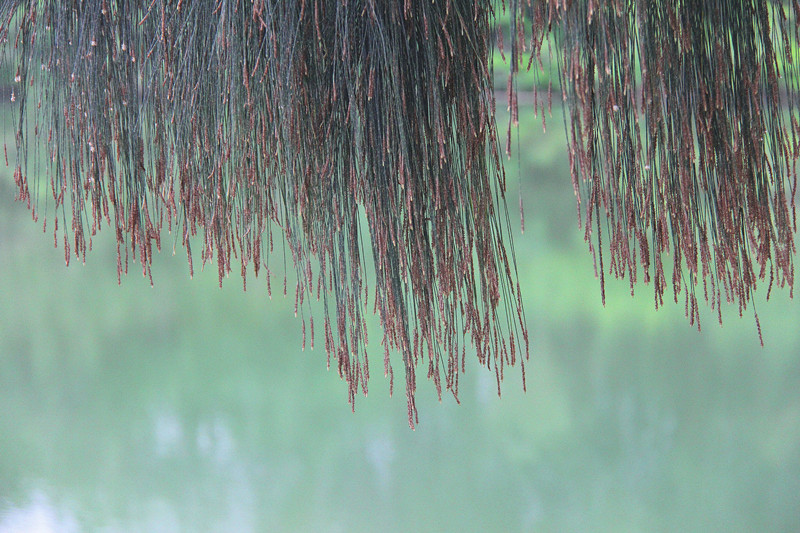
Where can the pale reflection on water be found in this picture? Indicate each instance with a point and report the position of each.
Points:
(380, 453)
(36, 515)
(167, 434)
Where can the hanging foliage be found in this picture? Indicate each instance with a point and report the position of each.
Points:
(683, 139)
(348, 132)
(238, 121)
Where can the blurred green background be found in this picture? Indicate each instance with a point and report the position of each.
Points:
(186, 407)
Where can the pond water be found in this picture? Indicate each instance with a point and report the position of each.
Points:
(186, 407)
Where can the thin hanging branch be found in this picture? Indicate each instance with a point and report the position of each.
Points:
(237, 121)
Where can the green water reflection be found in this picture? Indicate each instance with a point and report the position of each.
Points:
(189, 408)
